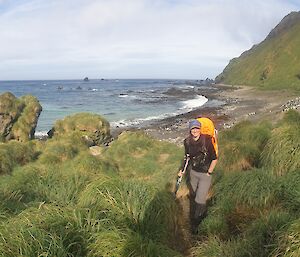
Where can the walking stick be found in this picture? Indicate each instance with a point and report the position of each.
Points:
(179, 178)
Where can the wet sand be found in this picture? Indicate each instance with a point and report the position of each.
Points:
(240, 103)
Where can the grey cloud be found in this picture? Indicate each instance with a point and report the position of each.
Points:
(120, 33)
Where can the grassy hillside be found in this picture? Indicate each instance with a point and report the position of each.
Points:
(272, 64)
(56, 199)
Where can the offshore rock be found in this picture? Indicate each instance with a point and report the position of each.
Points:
(18, 117)
(92, 128)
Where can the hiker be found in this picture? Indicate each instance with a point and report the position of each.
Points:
(203, 159)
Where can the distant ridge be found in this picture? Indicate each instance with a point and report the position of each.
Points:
(272, 64)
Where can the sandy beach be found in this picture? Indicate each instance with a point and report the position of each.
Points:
(241, 103)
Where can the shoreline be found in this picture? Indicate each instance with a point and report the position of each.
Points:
(240, 103)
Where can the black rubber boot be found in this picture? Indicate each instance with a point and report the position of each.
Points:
(199, 215)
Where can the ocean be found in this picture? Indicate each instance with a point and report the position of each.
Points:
(123, 102)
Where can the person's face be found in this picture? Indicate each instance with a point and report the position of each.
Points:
(195, 132)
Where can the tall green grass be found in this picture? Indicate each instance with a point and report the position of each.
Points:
(259, 238)
(288, 191)
(282, 152)
(59, 200)
(139, 156)
(147, 215)
(288, 244)
(15, 153)
(241, 146)
(47, 231)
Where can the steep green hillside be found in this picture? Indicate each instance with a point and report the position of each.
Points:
(272, 64)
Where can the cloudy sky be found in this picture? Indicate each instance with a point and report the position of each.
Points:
(189, 39)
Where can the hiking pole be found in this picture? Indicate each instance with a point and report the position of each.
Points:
(179, 178)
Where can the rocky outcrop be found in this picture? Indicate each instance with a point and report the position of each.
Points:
(18, 117)
(93, 128)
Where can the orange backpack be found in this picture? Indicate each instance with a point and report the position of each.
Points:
(208, 128)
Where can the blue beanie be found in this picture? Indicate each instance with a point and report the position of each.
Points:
(194, 124)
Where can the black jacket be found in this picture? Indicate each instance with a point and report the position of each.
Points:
(201, 152)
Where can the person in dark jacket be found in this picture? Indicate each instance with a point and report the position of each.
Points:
(202, 161)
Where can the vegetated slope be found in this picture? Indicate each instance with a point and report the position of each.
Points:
(272, 64)
(59, 200)
(62, 201)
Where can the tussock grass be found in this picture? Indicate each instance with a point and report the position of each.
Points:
(282, 152)
(241, 146)
(289, 241)
(123, 201)
(261, 234)
(138, 245)
(214, 224)
(15, 153)
(47, 231)
(257, 239)
(214, 246)
(133, 205)
(10, 199)
(254, 189)
(70, 203)
(288, 191)
(140, 156)
(291, 117)
(93, 128)
(239, 199)
(59, 151)
(38, 183)
(109, 242)
(84, 162)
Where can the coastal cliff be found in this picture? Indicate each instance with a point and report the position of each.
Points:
(272, 64)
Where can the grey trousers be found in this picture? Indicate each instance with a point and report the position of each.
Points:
(200, 183)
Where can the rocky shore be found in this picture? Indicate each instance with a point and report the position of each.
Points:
(240, 103)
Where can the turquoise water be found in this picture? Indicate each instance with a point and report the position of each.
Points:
(122, 102)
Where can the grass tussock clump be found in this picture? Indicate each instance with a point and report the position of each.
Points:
(140, 156)
(288, 191)
(241, 146)
(282, 152)
(93, 128)
(84, 162)
(15, 153)
(60, 184)
(47, 231)
(257, 239)
(288, 244)
(58, 151)
(214, 246)
(255, 188)
(135, 207)
(239, 199)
